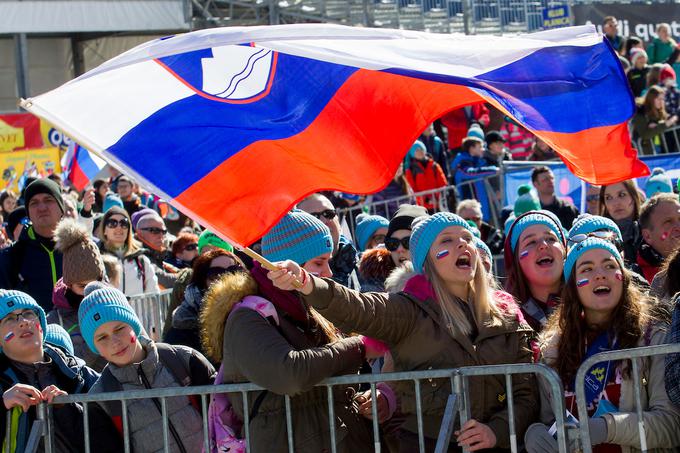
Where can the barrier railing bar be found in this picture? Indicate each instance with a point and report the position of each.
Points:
(331, 418)
(7, 442)
(166, 437)
(638, 406)
(419, 417)
(448, 422)
(624, 354)
(126, 427)
(289, 425)
(86, 426)
(246, 420)
(511, 412)
(35, 436)
(204, 413)
(374, 412)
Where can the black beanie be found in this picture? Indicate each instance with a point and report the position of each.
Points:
(404, 217)
(43, 185)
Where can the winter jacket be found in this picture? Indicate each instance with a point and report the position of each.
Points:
(411, 324)
(67, 317)
(630, 231)
(185, 328)
(518, 140)
(649, 260)
(564, 210)
(672, 369)
(426, 175)
(343, 263)
(138, 275)
(659, 51)
(71, 375)
(144, 417)
(286, 359)
(177, 296)
(31, 265)
(458, 121)
(165, 272)
(649, 130)
(436, 149)
(492, 237)
(662, 419)
(637, 79)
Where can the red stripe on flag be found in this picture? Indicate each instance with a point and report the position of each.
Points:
(77, 176)
(354, 145)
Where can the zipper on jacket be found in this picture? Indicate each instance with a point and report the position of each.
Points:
(175, 435)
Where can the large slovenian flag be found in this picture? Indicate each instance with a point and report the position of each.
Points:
(235, 125)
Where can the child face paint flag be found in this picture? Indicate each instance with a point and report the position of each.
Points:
(442, 254)
(226, 123)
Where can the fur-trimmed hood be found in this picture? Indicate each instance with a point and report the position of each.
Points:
(217, 304)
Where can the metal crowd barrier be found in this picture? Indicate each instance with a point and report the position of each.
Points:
(388, 207)
(669, 142)
(457, 407)
(152, 310)
(625, 354)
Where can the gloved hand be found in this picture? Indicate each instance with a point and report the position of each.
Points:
(538, 440)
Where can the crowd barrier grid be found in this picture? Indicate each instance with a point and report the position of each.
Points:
(152, 310)
(664, 147)
(624, 354)
(457, 406)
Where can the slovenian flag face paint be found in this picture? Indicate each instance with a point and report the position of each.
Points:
(442, 254)
(9, 336)
(581, 283)
(523, 254)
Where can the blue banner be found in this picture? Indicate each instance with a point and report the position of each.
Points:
(569, 187)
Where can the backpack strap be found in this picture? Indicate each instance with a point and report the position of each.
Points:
(167, 354)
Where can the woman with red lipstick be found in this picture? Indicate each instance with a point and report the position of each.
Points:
(32, 372)
(621, 202)
(603, 310)
(535, 248)
(112, 329)
(447, 316)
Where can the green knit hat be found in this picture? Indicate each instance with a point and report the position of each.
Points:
(526, 201)
(210, 238)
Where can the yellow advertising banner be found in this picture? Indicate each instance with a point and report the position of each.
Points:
(18, 165)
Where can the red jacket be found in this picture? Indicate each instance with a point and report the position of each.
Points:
(457, 122)
(426, 175)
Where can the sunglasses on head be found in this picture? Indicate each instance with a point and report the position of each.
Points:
(191, 247)
(608, 236)
(328, 214)
(114, 223)
(392, 244)
(154, 230)
(216, 271)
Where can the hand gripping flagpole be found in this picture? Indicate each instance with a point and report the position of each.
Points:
(266, 263)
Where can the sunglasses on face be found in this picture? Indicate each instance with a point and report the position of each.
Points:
(328, 214)
(392, 244)
(154, 230)
(191, 247)
(216, 271)
(115, 223)
(592, 198)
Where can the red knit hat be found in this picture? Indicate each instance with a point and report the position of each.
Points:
(666, 73)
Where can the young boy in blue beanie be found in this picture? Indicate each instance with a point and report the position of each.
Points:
(112, 329)
(32, 372)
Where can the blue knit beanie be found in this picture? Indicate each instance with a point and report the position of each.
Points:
(367, 226)
(535, 218)
(299, 237)
(58, 336)
(658, 182)
(112, 200)
(481, 246)
(589, 223)
(11, 300)
(102, 305)
(424, 232)
(589, 244)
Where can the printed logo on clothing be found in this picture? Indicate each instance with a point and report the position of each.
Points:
(501, 397)
(97, 317)
(10, 303)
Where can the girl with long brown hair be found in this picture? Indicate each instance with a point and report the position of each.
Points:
(535, 248)
(601, 309)
(651, 120)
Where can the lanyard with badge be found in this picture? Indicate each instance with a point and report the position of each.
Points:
(597, 376)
